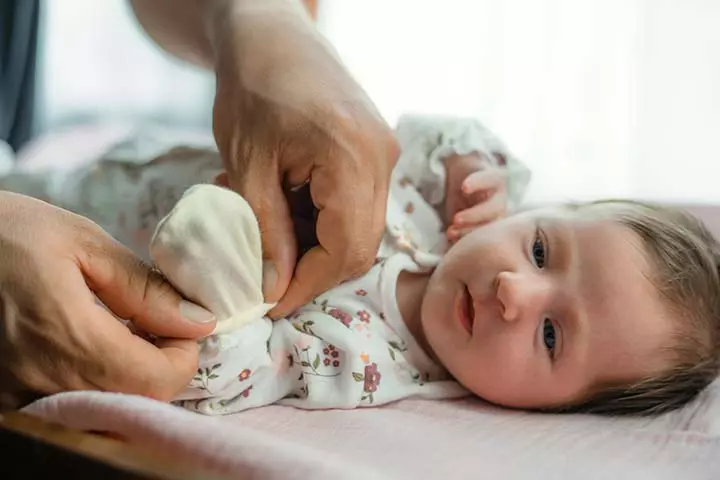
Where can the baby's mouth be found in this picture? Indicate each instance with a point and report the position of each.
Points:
(467, 310)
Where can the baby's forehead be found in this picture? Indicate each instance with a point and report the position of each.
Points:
(569, 215)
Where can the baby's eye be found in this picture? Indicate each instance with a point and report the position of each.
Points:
(549, 335)
(538, 251)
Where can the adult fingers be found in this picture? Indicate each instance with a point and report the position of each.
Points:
(222, 180)
(261, 186)
(346, 230)
(134, 291)
(106, 355)
(131, 364)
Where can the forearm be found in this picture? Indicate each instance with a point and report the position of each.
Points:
(186, 28)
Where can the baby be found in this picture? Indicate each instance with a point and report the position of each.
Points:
(608, 307)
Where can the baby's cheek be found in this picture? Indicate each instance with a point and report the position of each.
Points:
(493, 373)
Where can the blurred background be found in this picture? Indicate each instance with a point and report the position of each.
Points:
(599, 97)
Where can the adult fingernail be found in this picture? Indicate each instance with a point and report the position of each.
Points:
(269, 278)
(195, 313)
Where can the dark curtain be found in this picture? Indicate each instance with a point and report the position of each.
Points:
(18, 57)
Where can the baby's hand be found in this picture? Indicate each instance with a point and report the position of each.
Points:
(476, 193)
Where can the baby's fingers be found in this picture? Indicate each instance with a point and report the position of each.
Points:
(482, 213)
(490, 179)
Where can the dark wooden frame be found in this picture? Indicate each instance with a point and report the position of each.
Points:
(33, 448)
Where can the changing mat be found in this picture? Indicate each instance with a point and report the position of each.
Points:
(410, 439)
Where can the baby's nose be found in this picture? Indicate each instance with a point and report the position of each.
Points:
(520, 295)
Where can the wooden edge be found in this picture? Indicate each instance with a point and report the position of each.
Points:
(33, 446)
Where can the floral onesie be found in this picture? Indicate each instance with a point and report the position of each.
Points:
(349, 347)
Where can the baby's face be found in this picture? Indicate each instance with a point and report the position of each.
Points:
(534, 310)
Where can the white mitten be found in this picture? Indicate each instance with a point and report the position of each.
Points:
(209, 248)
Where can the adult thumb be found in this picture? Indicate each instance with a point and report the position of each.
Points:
(134, 291)
(262, 189)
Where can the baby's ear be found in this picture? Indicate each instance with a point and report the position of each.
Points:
(221, 180)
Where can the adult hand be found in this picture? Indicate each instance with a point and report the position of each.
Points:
(54, 334)
(476, 193)
(287, 113)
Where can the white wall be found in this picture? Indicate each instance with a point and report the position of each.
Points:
(599, 97)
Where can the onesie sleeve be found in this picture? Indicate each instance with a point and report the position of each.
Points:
(425, 141)
(209, 248)
(236, 372)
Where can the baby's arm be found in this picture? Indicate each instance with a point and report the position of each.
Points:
(236, 372)
(437, 151)
(209, 248)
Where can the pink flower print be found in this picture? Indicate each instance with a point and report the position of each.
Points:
(245, 374)
(246, 393)
(338, 314)
(372, 378)
(364, 316)
(360, 292)
(331, 352)
(409, 208)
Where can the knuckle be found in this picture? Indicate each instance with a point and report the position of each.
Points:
(90, 242)
(359, 262)
(22, 376)
(155, 285)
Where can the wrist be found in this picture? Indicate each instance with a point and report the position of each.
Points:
(254, 30)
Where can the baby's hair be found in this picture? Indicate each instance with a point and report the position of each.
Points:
(684, 258)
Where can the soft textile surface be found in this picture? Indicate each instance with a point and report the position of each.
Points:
(408, 439)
